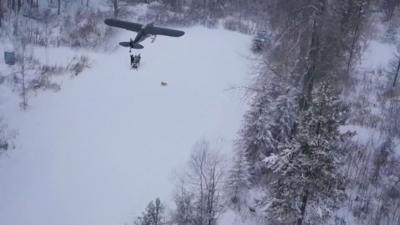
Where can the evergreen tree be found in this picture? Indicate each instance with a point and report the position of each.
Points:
(268, 123)
(238, 184)
(307, 169)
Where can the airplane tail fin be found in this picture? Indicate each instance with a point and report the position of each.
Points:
(127, 44)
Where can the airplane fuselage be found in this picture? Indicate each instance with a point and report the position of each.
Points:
(142, 34)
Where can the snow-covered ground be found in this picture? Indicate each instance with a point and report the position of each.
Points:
(96, 152)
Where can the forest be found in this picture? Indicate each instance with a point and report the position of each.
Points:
(319, 141)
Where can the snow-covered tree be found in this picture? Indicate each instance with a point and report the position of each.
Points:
(6, 137)
(153, 215)
(269, 122)
(184, 214)
(1, 13)
(199, 194)
(20, 76)
(395, 66)
(207, 172)
(307, 181)
(238, 184)
(389, 8)
(353, 22)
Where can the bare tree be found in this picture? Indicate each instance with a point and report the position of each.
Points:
(389, 7)
(183, 198)
(203, 181)
(6, 137)
(23, 93)
(153, 215)
(1, 12)
(395, 66)
(355, 15)
(58, 7)
(115, 4)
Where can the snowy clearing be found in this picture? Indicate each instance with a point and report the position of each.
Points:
(100, 149)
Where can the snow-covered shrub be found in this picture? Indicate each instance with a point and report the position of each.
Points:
(157, 13)
(85, 29)
(6, 137)
(78, 64)
(153, 214)
(43, 80)
(243, 26)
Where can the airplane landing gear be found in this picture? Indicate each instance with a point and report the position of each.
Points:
(130, 45)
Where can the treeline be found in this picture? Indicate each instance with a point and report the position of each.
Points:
(295, 150)
(53, 23)
(207, 12)
(296, 160)
(294, 141)
(28, 25)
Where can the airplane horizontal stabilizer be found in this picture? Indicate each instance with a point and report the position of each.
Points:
(127, 44)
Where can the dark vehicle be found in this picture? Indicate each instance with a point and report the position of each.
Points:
(261, 41)
(9, 58)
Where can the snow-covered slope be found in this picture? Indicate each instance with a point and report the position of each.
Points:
(100, 149)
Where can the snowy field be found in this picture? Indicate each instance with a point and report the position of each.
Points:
(96, 152)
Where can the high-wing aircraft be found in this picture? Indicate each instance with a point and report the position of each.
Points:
(143, 31)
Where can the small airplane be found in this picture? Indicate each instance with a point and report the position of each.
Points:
(143, 32)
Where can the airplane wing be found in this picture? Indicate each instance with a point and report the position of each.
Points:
(136, 27)
(164, 31)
